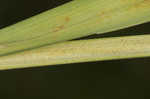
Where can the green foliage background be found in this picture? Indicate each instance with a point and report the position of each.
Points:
(120, 79)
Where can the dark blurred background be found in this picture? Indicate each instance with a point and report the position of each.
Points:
(115, 79)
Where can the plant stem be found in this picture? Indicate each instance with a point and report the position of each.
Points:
(80, 51)
(75, 19)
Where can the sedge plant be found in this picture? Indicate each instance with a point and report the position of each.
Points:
(42, 39)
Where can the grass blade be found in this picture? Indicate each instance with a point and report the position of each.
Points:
(80, 51)
(75, 19)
